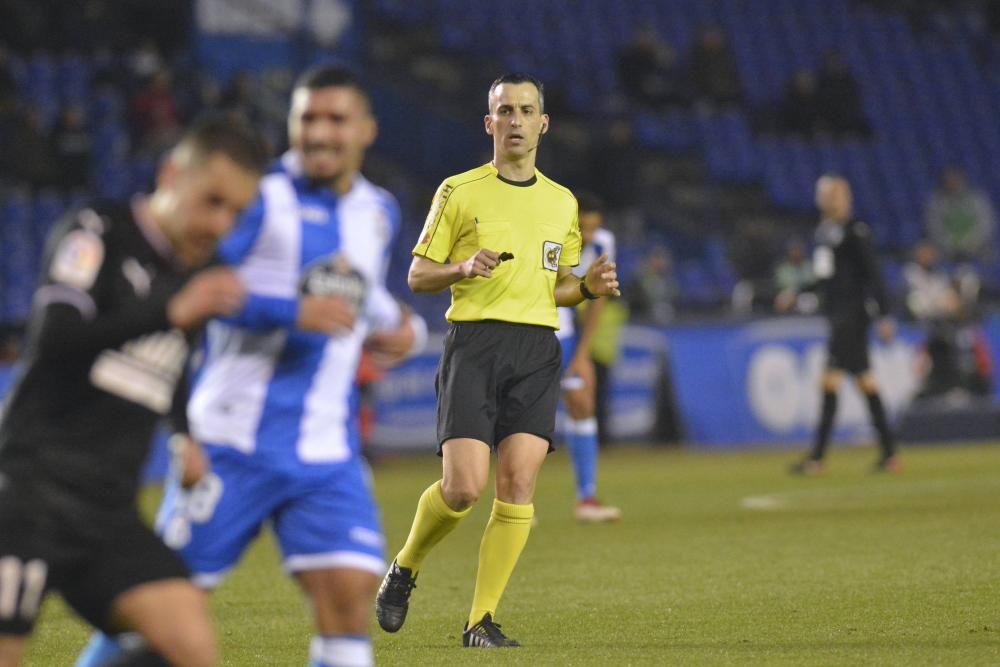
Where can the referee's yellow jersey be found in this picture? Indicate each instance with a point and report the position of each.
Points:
(535, 221)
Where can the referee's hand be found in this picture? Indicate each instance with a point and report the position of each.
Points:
(602, 278)
(481, 264)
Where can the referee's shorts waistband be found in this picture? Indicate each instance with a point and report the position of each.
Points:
(500, 324)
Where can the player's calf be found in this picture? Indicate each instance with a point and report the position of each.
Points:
(11, 649)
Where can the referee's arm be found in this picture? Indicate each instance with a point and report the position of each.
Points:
(601, 280)
(426, 275)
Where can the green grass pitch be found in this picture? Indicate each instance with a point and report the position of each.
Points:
(721, 559)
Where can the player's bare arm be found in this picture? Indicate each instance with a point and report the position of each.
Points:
(426, 275)
(210, 293)
(388, 348)
(326, 314)
(188, 458)
(601, 280)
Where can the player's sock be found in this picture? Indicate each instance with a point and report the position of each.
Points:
(138, 657)
(341, 651)
(825, 425)
(503, 540)
(98, 650)
(433, 520)
(581, 436)
(881, 424)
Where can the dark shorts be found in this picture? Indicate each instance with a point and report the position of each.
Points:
(50, 541)
(496, 379)
(848, 350)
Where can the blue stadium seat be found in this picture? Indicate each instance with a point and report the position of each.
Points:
(49, 205)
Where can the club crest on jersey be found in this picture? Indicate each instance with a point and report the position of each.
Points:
(551, 251)
(334, 276)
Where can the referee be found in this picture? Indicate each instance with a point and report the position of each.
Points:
(504, 238)
(852, 292)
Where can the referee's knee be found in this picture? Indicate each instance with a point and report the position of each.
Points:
(460, 494)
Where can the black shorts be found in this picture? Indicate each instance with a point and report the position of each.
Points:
(848, 349)
(49, 540)
(496, 379)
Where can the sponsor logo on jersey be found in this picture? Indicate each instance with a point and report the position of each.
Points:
(551, 251)
(314, 215)
(334, 277)
(144, 370)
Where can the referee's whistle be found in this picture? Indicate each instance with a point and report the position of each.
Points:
(504, 256)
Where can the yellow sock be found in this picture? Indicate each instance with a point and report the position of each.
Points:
(504, 539)
(433, 520)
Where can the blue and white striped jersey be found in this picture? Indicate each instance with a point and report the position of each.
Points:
(264, 387)
(603, 242)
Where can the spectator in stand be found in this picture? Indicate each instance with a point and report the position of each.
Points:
(72, 146)
(647, 68)
(615, 162)
(155, 113)
(713, 67)
(839, 96)
(960, 218)
(930, 293)
(794, 275)
(8, 86)
(29, 155)
(955, 353)
(653, 292)
(799, 112)
(753, 253)
(145, 61)
(240, 97)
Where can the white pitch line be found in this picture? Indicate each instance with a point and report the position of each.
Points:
(764, 502)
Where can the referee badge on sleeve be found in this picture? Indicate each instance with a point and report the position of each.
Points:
(550, 255)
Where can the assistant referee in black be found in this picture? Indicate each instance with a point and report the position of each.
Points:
(504, 238)
(852, 292)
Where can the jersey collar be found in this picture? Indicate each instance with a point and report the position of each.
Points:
(520, 184)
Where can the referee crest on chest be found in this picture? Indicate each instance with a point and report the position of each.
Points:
(551, 251)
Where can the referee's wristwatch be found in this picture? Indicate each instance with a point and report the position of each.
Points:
(587, 294)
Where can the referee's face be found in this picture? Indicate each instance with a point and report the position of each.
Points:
(515, 120)
(330, 128)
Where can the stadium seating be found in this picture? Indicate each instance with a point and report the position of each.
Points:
(929, 102)
(929, 95)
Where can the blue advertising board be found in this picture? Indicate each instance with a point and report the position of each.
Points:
(734, 384)
(758, 382)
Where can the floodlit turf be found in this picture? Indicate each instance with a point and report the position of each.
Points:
(721, 559)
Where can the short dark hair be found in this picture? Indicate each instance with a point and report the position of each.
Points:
(519, 77)
(214, 133)
(588, 202)
(332, 76)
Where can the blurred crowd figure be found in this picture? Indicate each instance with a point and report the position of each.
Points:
(956, 357)
(827, 102)
(653, 76)
(649, 72)
(794, 275)
(715, 75)
(960, 218)
(653, 292)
